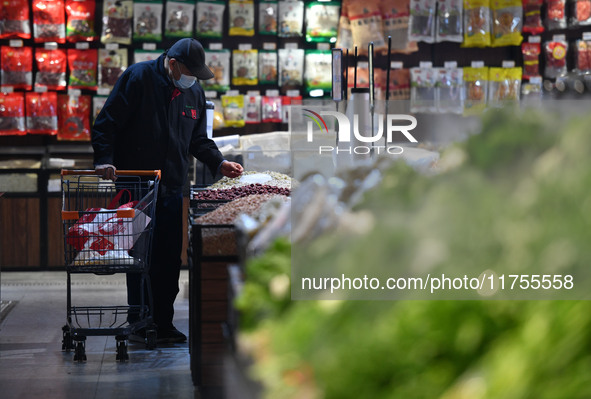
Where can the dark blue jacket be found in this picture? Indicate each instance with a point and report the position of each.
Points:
(146, 123)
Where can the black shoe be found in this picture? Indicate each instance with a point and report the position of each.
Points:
(138, 336)
(170, 336)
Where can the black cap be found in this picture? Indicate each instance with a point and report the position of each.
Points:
(190, 53)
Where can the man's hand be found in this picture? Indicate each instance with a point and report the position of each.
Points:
(106, 171)
(231, 169)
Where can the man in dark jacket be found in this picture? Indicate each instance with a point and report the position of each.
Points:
(153, 119)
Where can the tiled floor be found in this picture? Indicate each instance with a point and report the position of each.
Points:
(32, 364)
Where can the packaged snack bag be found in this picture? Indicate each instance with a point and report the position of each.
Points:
(268, 67)
(51, 68)
(49, 21)
(241, 14)
(147, 20)
(117, 21)
(41, 111)
(291, 68)
(555, 55)
(112, 63)
(17, 67)
(15, 20)
(83, 69)
(291, 18)
(233, 110)
(210, 19)
(244, 67)
(477, 23)
(12, 114)
(80, 21)
(73, 117)
(252, 109)
(318, 73)
(178, 20)
(422, 20)
(366, 25)
(322, 19)
(507, 22)
(268, 11)
(422, 90)
(531, 59)
(219, 63)
(475, 89)
(532, 17)
(449, 26)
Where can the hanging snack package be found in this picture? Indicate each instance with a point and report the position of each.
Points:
(268, 11)
(233, 110)
(51, 68)
(583, 56)
(475, 90)
(366, 25)
(345, 33)
(145, 55)
(399, 84)
(449, 27)
(219, 63)
(17, 67)
(395, 16)
(14, 20)
(422, 20)
(504, 86)
(111, 63)
(580, 12)
(268, 67)
(41, 112)
(49, 21)
(291, 18)
(450, 91)
(422, 90)
(241, 18)
(147, 20)
(476, 23)
(318, 73)
(244, 67)
(532, 17)
(555, 14)
(179, 19)
(507, 22)
(555, 56)
(83, 66)
(73, 117)
(271, 109)
(531, 59)
(12, 114)
(80, 21)
(291, 68)
(210, 19)
(362, 77)
(98, 102)
(322, 20)
(117, 21)
(252, 109)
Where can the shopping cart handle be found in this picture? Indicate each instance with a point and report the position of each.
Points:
(155, 173)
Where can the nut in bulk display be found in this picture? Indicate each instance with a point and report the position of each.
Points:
(17, 67)
(178, 19)
(219, 63)
(15, 20)
(12, 114)
(210, 19)
(73, 117)
(147, 20)
(241, 14)
(117, 21)
(80, 21)
(49, 21)
(41, 113)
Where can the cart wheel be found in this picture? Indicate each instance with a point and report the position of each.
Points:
(122, 354)
(80, 351)
(151, 339)
(67, 341)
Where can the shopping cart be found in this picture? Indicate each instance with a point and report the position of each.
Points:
(108, 229)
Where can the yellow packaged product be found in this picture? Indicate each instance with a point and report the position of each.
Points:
(504, 86)
(507, 22)
(476, 23)
(475, 89)
(233, 110)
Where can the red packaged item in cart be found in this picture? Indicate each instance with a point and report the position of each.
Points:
(49, 21)
(532, 16)
(73, 117)
(14, 19)
(12, 114)
(41, 111)
(531, 59)
(555, 56)
(556, 14)
(51, 69)
(83, 69)
(80, 25)
(17, 67)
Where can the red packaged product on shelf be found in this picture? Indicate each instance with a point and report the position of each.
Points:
(73, 117)
(41, 111)
(580, 12)
(17, 67)
(532, 16)
(12, 114)
(583, 55)
(272, 109)
(14, 19)
(49, 21)
(531, 59)
(51, 69)
(555, 56)
(80, 25)
(83, 69)
(555, 14)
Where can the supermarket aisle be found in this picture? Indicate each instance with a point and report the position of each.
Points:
(33, 365)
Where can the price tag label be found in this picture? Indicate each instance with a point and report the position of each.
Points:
(103, 91)
(74, 92)
(253, 93)
(396, 64)
(216, 46)
(50, 46)
(450, 64)
(40, 89)
(112, 46)
(363, 64)
(272, 93)
(293, 93)
(232, 92)
(270, 46)
(82, 46)
(245, 46)
(291, 46)
(211, 94)
(149, 46)
(477, 64)
(586, 35)
(425, 64)
(508, 64)
(15, 43)
(323, 46)
(559, 38)
(7, 89)
(534, 39)
(535, 80)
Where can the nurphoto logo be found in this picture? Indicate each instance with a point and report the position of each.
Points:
(359, 139)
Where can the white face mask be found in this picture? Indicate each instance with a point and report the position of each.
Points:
(185, 81)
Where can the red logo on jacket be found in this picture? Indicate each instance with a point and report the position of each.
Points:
(194, 113)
